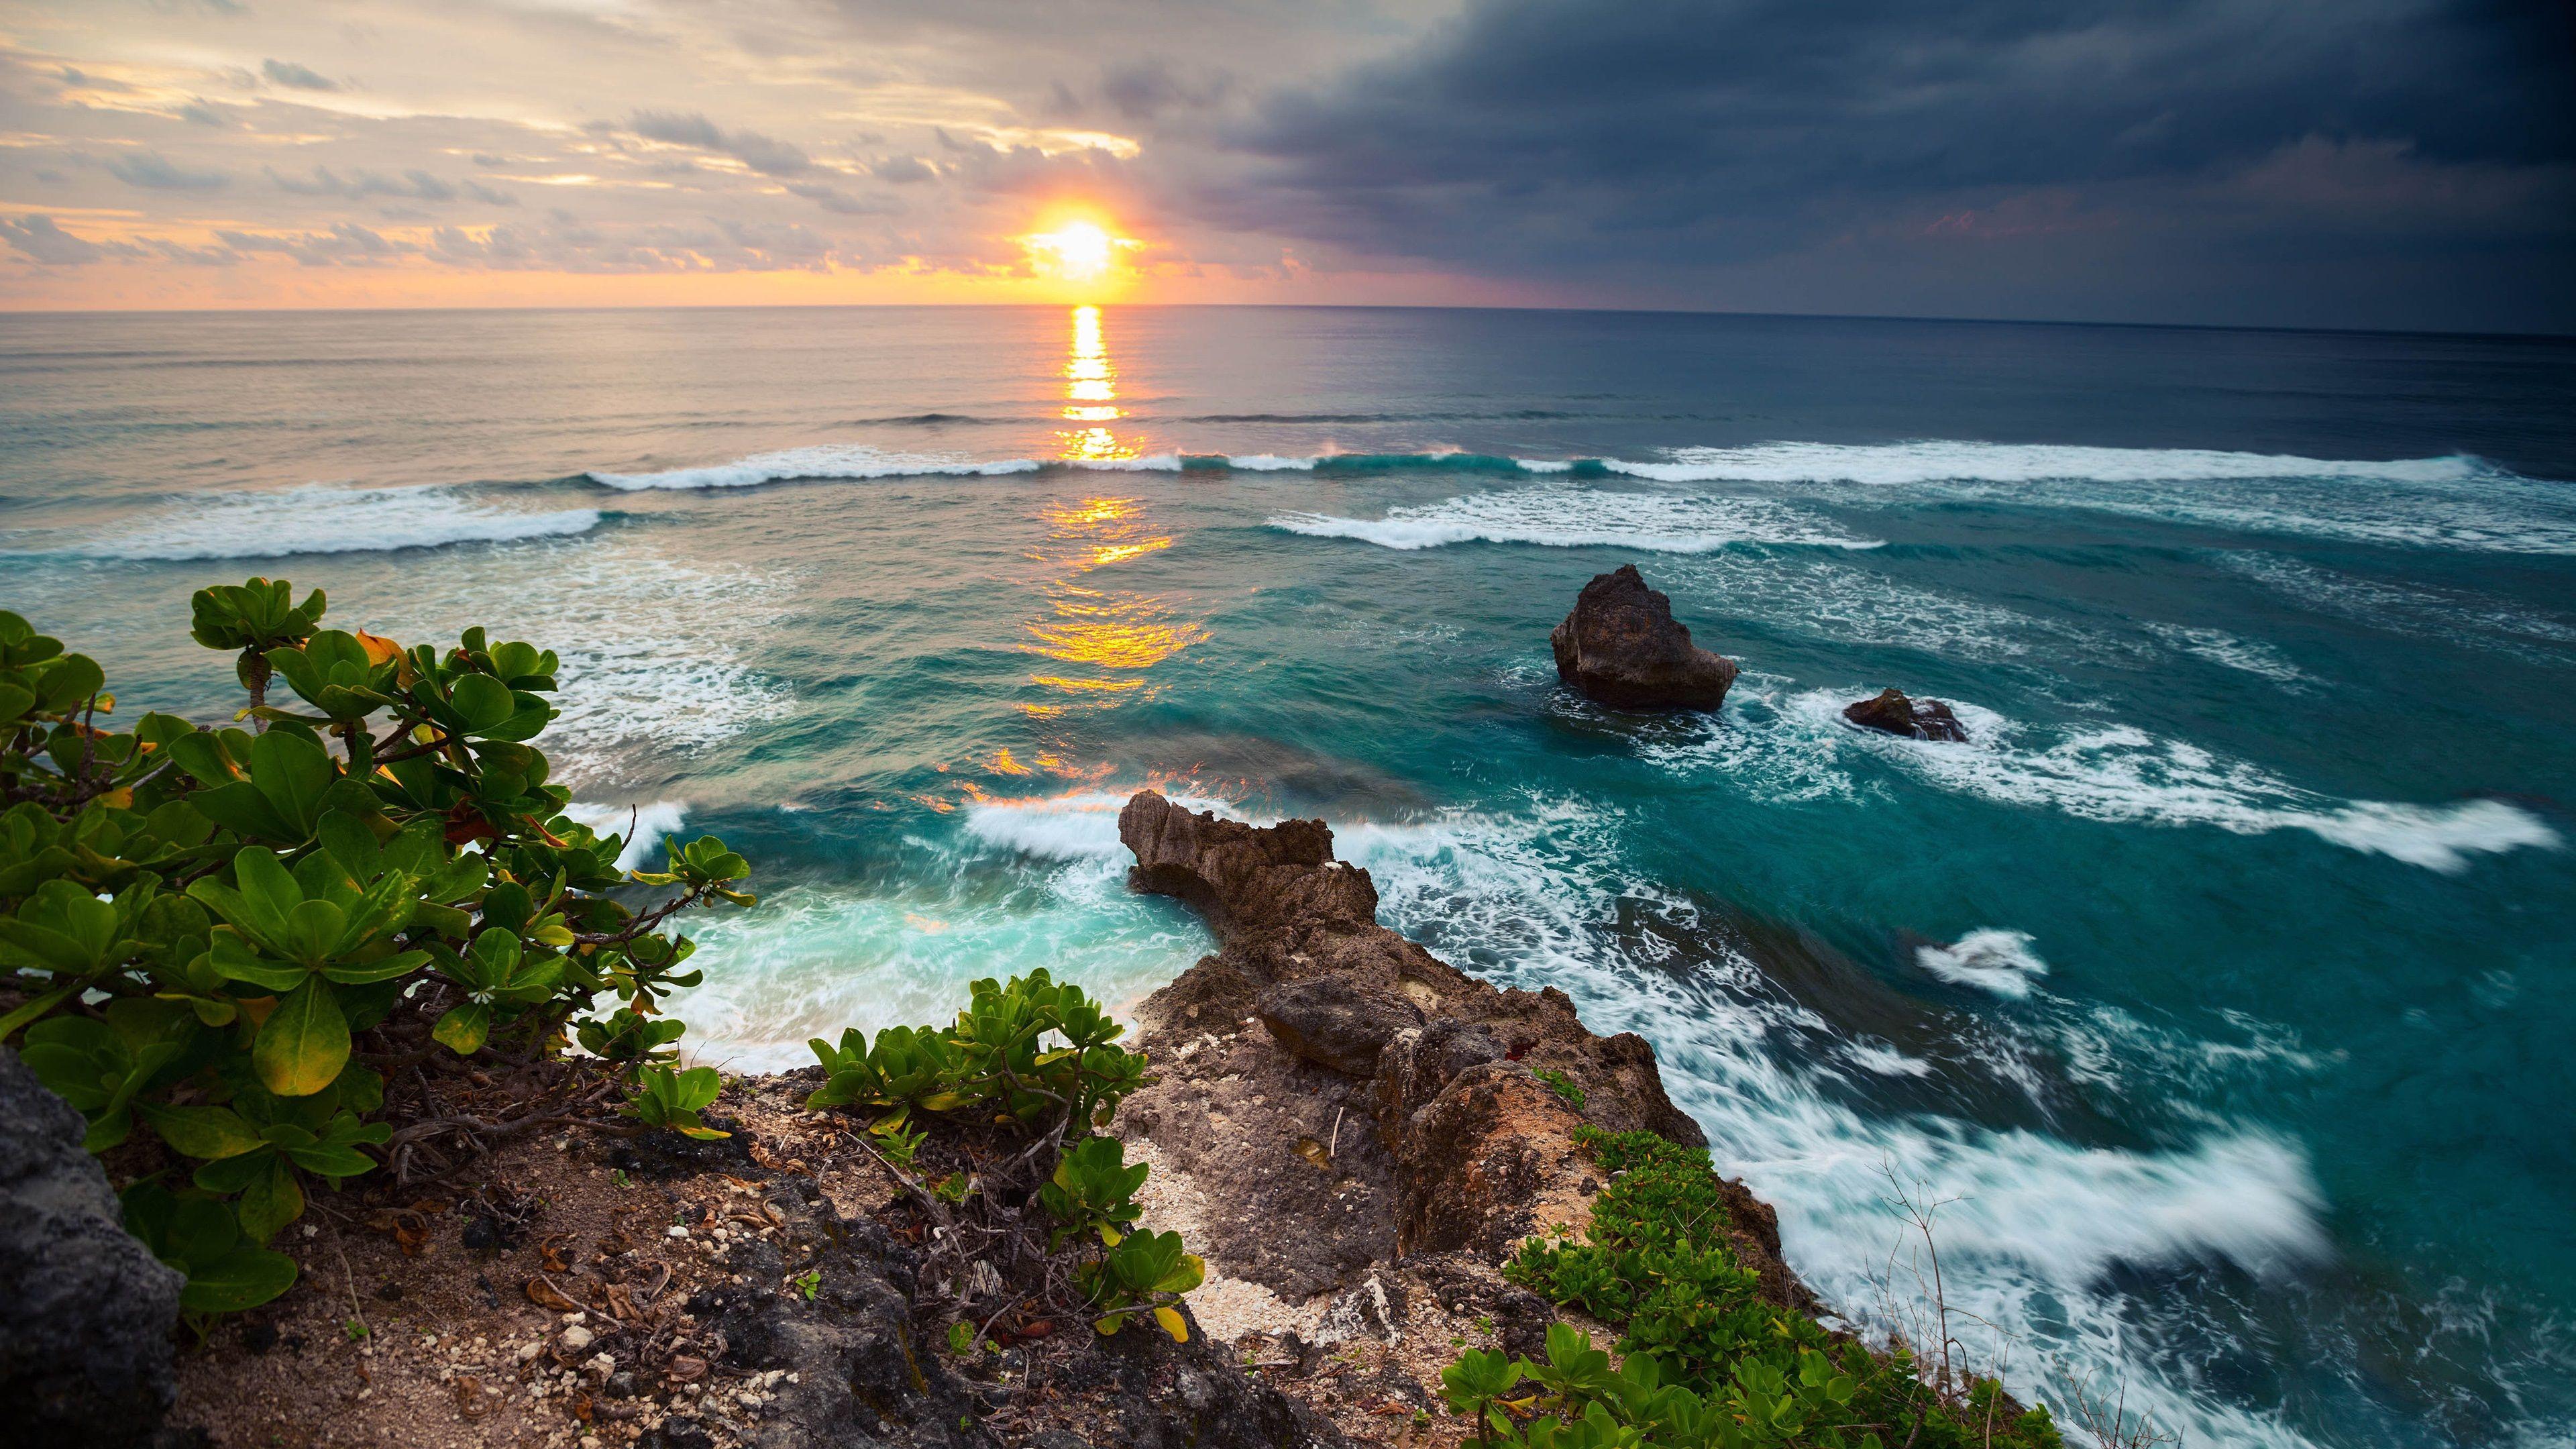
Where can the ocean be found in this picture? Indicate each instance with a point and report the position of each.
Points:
(2223, 984)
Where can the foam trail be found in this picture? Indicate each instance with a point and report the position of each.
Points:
(2124, 774)
(1990, 960)
(2222, 648)
(644, 826)
(832, 460)
(1582, 517)
(319, 518)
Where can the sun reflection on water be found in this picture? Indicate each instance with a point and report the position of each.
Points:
(1108, 636)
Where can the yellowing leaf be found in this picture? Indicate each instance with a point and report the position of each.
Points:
(1173, 1324)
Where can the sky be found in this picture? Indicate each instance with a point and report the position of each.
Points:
(2341, 163)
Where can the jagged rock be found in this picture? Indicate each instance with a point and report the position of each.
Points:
(1284, 910)
(1892, 713)
(1334, 1021)
(85, 1310)
(1621, 646)
(1398, 1195)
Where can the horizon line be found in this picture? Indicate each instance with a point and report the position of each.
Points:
(2496, 336)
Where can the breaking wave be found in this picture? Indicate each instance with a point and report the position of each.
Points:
(320, 518)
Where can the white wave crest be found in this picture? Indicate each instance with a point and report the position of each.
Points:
(1990, 960)
(644, 826)
(1077, 827)
(320, 518)
(1943, 461)
(1580, 518)
(830, 460)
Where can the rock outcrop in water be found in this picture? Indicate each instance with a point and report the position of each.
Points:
(85, 1310)
(1621, 646)
(1354, 1133)
(1891, 712)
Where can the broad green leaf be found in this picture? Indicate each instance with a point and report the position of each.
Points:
(385, 968)
(244, 1278)
(272, 1200)
(304, 1043)
(203, 1132)
(464, 1028)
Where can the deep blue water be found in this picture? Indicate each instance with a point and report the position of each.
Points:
(2224, 977)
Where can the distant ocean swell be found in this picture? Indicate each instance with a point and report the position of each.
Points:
(2406, 502)
(1885, 464)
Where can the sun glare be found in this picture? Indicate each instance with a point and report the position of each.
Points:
(1081, 252)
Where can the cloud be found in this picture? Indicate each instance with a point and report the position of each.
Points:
(38, 238)
(345, 244)
(486, 194)
(416, 184)
(1143, 89)
(202, 112)
(296, 77)
(1562, 137)
(152, 171)
(903, 170)
(833, 199)
(764, 154)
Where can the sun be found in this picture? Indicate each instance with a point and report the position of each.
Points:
(1079, 251)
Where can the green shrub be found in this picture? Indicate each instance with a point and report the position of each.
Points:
(1042, 1056)
(1033, 1049)
(1707, 1363)
(218, 936)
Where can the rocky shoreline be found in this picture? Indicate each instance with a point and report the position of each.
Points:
(1351, 1132)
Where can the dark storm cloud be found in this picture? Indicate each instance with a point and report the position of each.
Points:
(764, 154)
(1530, 134)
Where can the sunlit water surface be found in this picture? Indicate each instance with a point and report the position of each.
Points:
(2223, 979)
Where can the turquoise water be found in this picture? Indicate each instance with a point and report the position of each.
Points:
(2223, 979)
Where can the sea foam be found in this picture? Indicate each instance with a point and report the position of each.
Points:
(2122, 773)
(1990, 960)
(644, 826)
(1583, 517)
(319, 518)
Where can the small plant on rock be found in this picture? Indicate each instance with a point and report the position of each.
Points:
(668, 1099)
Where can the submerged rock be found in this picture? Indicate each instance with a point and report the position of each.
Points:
(1621, 646)
(1892, 713)
(85, 1310)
